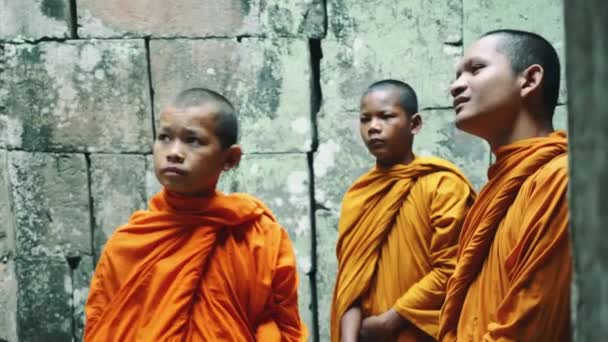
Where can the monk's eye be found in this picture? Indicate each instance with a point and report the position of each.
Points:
(194, 141)
(162, 137)
(364, 119)
(476, 68)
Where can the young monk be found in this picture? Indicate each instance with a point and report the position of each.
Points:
(398, 228)
(512, 280)
(197, 265)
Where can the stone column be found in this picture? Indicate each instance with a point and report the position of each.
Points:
(587, 72)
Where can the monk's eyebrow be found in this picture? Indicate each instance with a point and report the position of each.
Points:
(190, 131)
(164, 129)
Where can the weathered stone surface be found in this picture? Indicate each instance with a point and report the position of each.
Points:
(52, 298)
(342, 158)
(440, 137)
(587, 53)
(8, 281)
(327, 266)
(8, 300)
(7, 232)
(50, 204)
(118, 189)
(4, 94)
(267, 80)
(152, 184)
(408, 40)
(34, 19)
(282, 183)
(545, 17)
(196, 18)
(560, 118)
(77, 96)
(347, 18)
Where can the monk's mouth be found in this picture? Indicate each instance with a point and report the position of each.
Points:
(173, 171)
(459, 102)
(376, 143)
(458, 108)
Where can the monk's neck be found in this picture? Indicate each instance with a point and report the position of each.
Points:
(524, 127)
(385, 165)
(193, 195)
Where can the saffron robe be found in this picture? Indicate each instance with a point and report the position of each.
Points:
(512, 280)
(398, 233)
(196, 269)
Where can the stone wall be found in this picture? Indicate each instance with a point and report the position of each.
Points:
(82, 83)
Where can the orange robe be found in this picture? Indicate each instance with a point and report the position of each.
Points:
(207, 269)
(512, 280)
(398, 234)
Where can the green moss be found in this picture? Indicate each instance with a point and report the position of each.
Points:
(44, 311)
(55, 9)
(245, 7)
(268, 85)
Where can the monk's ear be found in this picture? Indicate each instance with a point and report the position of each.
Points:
(233, 157)
(415, 123)
(531, 79)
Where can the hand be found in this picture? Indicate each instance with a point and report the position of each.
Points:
(381, 327)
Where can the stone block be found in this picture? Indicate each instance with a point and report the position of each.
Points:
(545, 17)
(77, 96)
(8, 300)
(52, 298)
(50, 203)
(118, 189)
(267, 80)
(196, 18)
(34, 19)
(414, 41)
(342, 158)
(281, 181)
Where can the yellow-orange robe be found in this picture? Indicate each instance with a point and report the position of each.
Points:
(398, 233)
(207, 269)
(512, 279)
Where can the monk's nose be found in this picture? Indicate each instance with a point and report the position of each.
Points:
(175, 154)
(458, 86)
(375, 126)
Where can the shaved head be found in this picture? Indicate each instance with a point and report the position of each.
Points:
(226, 123)
(524, 49)
(405, 94)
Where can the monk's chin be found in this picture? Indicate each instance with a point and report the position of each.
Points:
(465, 124)
(460, 124)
